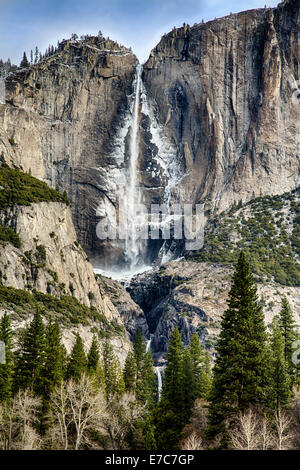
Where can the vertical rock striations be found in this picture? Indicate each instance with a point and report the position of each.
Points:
(62, 114)
(226, 94)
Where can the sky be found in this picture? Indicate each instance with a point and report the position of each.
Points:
(138, 24)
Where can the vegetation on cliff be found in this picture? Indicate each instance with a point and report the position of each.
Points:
(267, 229)
(8, 235)
(19, 188)
(67, 309)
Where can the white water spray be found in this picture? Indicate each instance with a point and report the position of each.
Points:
(124, 183)
(159, 381)
(133, 243)
(148, 345)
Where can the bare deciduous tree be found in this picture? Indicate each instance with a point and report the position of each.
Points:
(245, 435)
(77, 408)
(17, 422)
(121, 418)
(283, 433)
(192, 442)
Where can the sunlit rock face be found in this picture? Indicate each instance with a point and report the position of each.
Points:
(226, 94)
(63, 114)
(215, 118)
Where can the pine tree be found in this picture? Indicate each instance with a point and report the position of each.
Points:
(289, 333)
(149, 387)
(95, 365)
(93, 357)
(240, 368)
(114, 381)
(31, 359)
(170, 413)
(24, 62)
(53, 370)
(6, 370)
(36, 54)
(130, 372)
(197, 358)
(206, 377)
(78, 362)
(139, 348)
(280, 392)
(189, 384)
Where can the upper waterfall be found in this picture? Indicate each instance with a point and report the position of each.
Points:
(134, 245)
(144, 172)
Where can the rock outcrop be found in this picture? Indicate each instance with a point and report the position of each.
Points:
(226, 93)
(51, 261)
(132, 315)
(195, 299)
(62, 115)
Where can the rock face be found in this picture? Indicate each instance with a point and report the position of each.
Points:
(67, 109)
(226, 93)
(131, 314)
(51, 261)
(219, 102)
(193, 296)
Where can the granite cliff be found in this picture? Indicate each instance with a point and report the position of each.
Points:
(212, 117)
(226, 92)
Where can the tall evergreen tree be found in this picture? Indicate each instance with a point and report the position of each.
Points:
(130, 372)
(78, 362)
(240, 368)
(280, 392)
(93, 357)
(289, 333)
(170, 413)
(24, 62)
(6, 370)
(139, 348)
(149, 388)
(206, 377)
(31, 359)
(197, 358)
(53, 370)
(189, 384)
(114, 381)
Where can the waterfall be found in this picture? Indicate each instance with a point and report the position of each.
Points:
(148, 345)
(133, 243)
(156, 370)
(159, 381)
(126, 191)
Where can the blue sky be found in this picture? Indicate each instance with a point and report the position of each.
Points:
(136, 23)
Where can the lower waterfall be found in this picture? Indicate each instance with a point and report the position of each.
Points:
(157, 369)
(159, 381)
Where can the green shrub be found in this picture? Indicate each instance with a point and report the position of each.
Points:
(66, 309)
(23, 189)
(7, 234)
(269, 243)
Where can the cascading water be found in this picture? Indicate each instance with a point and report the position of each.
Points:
(134, 245)
(134, 253)
(159, 381)
(156, 370)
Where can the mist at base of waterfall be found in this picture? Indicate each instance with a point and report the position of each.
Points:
(123, 275)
